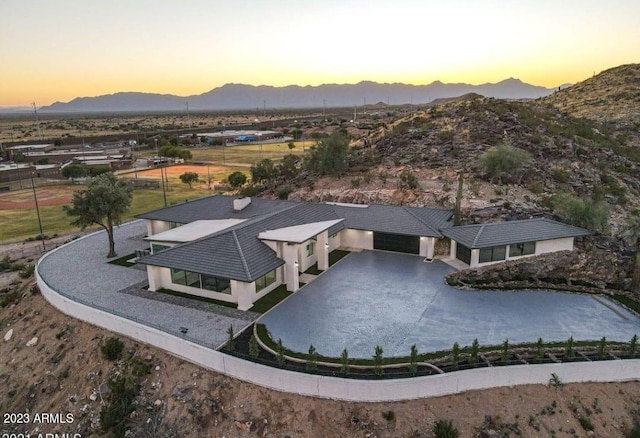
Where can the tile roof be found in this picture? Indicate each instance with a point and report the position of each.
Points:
(237, 252)
(506, 233)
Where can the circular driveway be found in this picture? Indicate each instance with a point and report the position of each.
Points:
(395, 300)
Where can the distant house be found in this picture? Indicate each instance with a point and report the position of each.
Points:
(239, 249)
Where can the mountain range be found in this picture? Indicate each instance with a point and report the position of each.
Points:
(243, 97)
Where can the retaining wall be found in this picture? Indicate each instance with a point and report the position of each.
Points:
(338, 388)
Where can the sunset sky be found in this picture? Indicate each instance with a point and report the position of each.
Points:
(57, 50)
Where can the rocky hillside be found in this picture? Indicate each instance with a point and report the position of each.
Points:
(613, 95)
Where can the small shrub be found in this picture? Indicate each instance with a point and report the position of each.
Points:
(635, 432)
(112, 349)
(555, 381)
(568, 352)
(254, 347)
(114, 415)
(407, 180)
(355, 182)
(475, 350)
(377, 361)
(284, 192)
(586, 423)
(344, 361)
(602, 347)
(5, 263)
(312, 359)
(367, 178)
(389, 415)
(231, 342)
(140, 368)
(505, 351)
(633, 345)
(413, 364)
(540, 349)
(27, 272)
(8, 298)
(279, 352)
(445, 429)
(249, 190)
(455, 355)
(383, 176)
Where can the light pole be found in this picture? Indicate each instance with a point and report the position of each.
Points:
(35, 198)
(260, 140)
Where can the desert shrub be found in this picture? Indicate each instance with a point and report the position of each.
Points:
(377, 361)
(344, 362)
(140, 368)
(115, 414)
(237, 179)
(5, 263)
(445, 429)
(582, 212)
(312, 359)
(561, 174)
(284, 192)
(254, 347)
(112, 349)
(586, 423)
(27, 271)
(407, 180)
(504, 163)
(389, 415)
(355, 182)
(249, 190)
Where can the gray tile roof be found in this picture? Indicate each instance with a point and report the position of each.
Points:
(214, 207)
(413, 221)
(238, 254)
(507, 233)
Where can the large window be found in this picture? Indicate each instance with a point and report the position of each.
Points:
(520, 249)
(216, 284)
(173, 225)
(493, 254)
(463, 253)
(310, 249)
(268, 279)
(201, 281)
(156, 248)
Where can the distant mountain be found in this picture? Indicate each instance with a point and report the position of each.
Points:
(239, 96)
(613, 94)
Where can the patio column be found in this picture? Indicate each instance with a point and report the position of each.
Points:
(290, 257)
(427, 245)
(323, 250)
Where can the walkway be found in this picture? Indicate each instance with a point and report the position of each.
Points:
(81, 272)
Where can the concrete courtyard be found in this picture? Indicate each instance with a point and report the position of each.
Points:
(394, 300)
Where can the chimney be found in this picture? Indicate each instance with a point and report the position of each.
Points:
(240, 204)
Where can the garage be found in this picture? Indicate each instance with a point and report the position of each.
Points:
(396, 242)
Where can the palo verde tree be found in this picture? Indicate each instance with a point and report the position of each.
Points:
(103, 202)
(329, 156)
(631, 233)
(263, 171)
(189, 178)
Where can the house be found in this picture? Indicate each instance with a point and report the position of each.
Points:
(238, 249)
(483, 244)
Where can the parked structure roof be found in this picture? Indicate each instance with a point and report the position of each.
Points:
(510, 232)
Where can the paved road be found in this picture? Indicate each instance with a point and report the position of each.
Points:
(393, 300)
(80, 271)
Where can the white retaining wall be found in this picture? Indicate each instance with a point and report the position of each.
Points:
(344, 389)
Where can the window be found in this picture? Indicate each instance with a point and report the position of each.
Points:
(216, 284)
(310, 248)
(463, 253)
(185, 278)
(520, 249)
(493, 254)
(266, 280)
(173, 225)
(156, 248)
(177, 276)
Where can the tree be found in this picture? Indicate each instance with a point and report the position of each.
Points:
(329, 156)
(263, 171)
(104, 202)
(631, 233)
(74, 171)
(57, 142)
(288, 167)
(189, 178)
(504, 162)
(237, 179)
(171, 151)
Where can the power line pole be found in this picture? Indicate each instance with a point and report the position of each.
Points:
(35, 198)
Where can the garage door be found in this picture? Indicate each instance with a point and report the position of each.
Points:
(396, 242)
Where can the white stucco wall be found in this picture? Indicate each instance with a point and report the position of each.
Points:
(161, 278)
(545, 246)
(305, 261)
(338, 388)
(427, 246)
(155, 227)
(351, 238)
(334, 242)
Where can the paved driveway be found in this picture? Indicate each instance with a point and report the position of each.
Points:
(394, 300)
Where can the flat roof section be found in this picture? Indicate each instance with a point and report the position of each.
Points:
(298, 233)
(194, 230)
